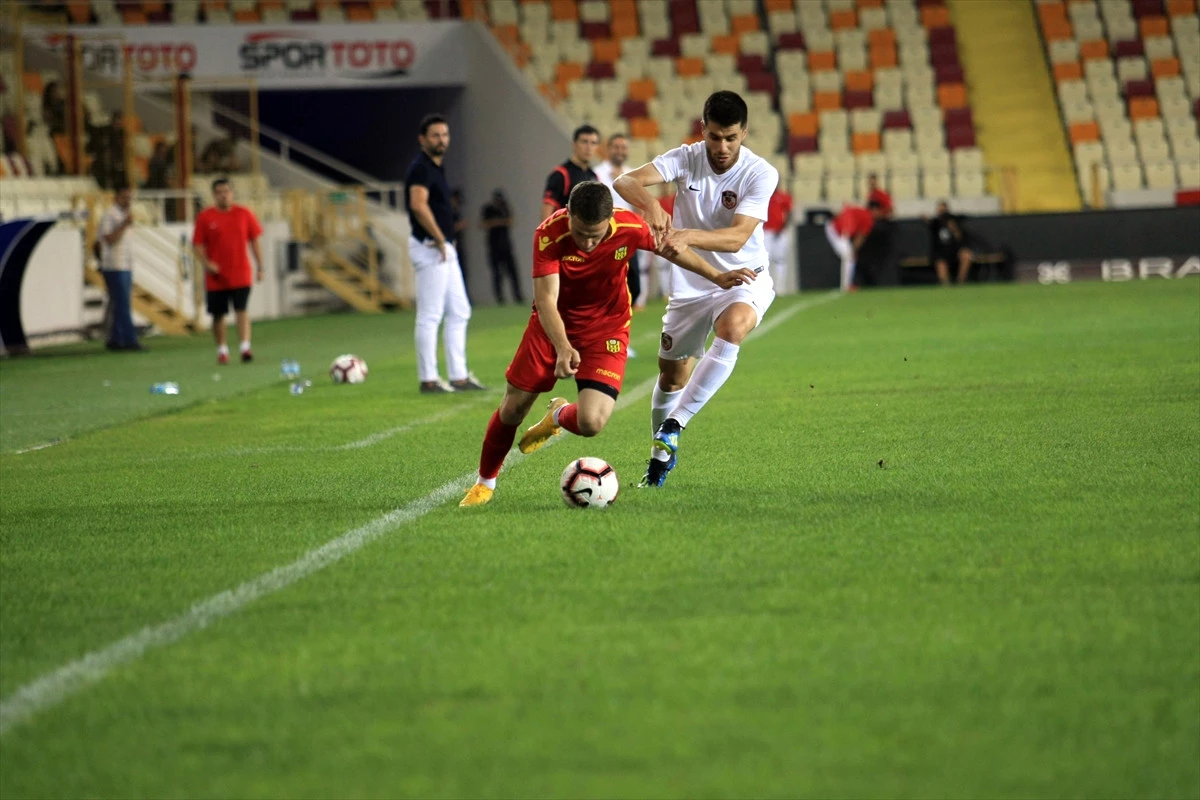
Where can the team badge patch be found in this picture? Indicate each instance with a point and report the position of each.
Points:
(667, 341)
(621, 253)
(729, 199)
(613, 345)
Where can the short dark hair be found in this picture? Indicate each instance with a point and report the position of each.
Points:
(220, 181)
(432, 119)
(616, 136)
(726, 109)
(583, 130)
(590, 202)
(874, 205)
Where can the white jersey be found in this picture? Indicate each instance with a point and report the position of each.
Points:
(606, 173)
(707, 201)
(117, 256)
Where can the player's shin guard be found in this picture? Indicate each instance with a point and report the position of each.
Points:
(496, 444)
(710, 374)
(567, 418)
(661, 403)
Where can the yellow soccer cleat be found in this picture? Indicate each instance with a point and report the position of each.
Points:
(544, 431)
(477, 495)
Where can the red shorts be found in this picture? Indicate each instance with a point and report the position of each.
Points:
(600, 362)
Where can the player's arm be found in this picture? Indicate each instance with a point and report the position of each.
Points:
(721, 240)
(114, 236)
(418, 202)
(201, 251)
(726, 280)
(545, 300)
(632, 188)
(857, 242)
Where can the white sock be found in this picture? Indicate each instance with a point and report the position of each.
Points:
(488, 482)
(710, 374)
(661, 403)
(245, 348)
(222, 349)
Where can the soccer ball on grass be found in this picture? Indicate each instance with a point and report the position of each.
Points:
(348, 369)
(589, 483)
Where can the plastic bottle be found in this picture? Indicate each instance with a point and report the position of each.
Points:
(167, 387)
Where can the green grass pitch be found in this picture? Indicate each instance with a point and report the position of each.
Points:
(922, 544)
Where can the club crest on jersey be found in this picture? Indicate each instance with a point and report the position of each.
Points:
(729, 199)
(667, 341)
(621, 253)
(613, 345)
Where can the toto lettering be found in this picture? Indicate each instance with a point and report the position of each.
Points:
(150, 58)
(280, 51)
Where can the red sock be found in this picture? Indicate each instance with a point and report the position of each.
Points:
(568, 418)
(496, 444)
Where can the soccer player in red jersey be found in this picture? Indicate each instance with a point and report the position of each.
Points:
(579, 327)
(220, 239)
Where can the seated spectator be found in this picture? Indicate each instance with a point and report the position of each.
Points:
(948, 244)
(158, 170)
(54, 108)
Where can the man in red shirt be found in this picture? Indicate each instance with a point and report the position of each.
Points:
(220, 239)
(778, 233)
(579, 327)
(879, 195)
(847, 232)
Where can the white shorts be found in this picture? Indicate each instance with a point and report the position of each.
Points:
(688, 321)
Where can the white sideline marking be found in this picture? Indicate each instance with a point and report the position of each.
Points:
(41, 446)
(54, 687)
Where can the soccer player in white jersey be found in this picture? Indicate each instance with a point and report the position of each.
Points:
(723, 191)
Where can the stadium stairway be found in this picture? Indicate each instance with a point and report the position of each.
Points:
(1013, 95)
(349, 281)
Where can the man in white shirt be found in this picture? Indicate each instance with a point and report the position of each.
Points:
(608, 171)
(720, 206)
(116, 264)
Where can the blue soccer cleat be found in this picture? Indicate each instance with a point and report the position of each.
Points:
(665, 441)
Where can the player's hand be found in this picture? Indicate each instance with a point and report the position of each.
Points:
(674, 243)
(259, 275)
(211, 267)
(442, 249)
(735, 277)
(659, 221)
(567, 363)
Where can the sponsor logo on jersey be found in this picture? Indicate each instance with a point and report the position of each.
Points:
(543, 243)
(613, 345)
(622, 251)
(729, 199)
(608, 373)
(573, 258)
(667, 341)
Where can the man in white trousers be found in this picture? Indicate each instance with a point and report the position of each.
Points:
(720, 207)
(441, 294)
(846, 233)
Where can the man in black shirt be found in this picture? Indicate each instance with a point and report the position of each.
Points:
(497, 219)
(948, 243)
(441, 293)
(575, 169)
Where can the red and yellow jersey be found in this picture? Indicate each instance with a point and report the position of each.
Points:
(593, 297)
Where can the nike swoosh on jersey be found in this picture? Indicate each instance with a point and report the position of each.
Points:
(694, 188)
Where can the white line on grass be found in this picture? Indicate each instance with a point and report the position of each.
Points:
(41, 446)
(55, 687)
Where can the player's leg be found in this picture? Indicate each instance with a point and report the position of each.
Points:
(431, 276)
(218, 307)
(241, 299)
(685, 327)
(732, 327)
(965, 256)
(943, 271)
(599, 378)
(497, 278)
(454, 334)
(497, 441)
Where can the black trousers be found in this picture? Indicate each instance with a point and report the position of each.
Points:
(504, 265)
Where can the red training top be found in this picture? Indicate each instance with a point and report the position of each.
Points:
(593, 297)
(853, 221)
(778, 210)
(225, 236)
(883, 198)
